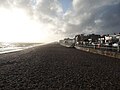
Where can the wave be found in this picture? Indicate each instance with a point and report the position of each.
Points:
(12, 47)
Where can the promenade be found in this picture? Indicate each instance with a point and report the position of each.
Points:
(54, 67)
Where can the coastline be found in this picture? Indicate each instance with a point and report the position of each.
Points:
(15, 49)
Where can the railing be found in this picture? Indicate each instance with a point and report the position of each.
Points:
(105, 48)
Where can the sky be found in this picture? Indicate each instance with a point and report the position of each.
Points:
(52, 20)
(66, 5)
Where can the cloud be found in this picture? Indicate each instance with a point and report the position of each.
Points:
(43, 17)
(91, 16)
(85, 16)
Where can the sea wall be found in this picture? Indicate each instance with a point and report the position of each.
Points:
(67, 43)
(101, 52)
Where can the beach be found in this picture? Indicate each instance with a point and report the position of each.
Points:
(54, 67)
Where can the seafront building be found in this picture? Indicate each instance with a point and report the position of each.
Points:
(94, 40)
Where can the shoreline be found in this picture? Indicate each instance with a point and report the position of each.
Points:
(16, 49)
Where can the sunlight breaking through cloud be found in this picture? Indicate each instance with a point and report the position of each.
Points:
(46, 21)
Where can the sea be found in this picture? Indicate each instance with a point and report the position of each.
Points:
(7, 47)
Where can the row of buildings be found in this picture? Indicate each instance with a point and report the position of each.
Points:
(102, 40)
(93, 40)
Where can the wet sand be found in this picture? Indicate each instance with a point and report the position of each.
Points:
(54, 67)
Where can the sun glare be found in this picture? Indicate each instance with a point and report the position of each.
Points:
(16, 26)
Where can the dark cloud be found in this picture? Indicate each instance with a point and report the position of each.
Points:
(85, 16)
(94, 17)
(110, 17)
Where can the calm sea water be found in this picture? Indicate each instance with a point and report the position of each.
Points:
(6, 47)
